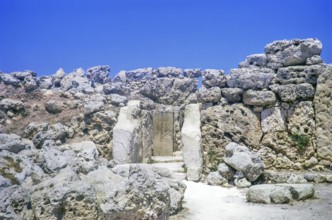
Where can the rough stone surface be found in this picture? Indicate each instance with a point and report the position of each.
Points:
(98, 74)
(53, 107)
(250, 78)
(212, 94)
(14, 143)
(215, 179)
(259, 98)
(292, 52)
(241, 159)
(273, 119)
(254, 60)
(293, 92)
(213, 77)
(323, 109)
(192, 142)
(232, 94)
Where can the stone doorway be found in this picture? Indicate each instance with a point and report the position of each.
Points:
(163, 133)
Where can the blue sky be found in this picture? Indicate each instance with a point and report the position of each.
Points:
(44, 35)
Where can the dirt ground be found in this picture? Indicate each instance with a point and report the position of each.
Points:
(203, 202)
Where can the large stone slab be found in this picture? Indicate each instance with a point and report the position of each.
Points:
(126, 138)
(192, 143)
(323, 110)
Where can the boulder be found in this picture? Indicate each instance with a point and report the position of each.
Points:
(30, 83)
(139, 74)
(315, 59)
(242, 183)
(241, 159)
(55, 132)
(216, 179)
(94, 104)
(293, 92)
(291, 52)
(192, 73)
(98, 74)
(143, 195)
(212, 94)
(9, 79)
(169, 72)
(64, 196)
(57, 77)
(299, 74)
(45, 82)
(118, 100)
(250, 78)
(14, 143)
(116, 88)
(213, 78)
(22, 75)
(226, 171)
(192, 143)
(259, 98)
(76, 81)
(232, 94)
(11, 105)
(53, 107)
(323, 117)
(253, 61)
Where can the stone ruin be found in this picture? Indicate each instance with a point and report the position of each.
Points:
(271, 113)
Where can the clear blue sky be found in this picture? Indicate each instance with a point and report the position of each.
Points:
(44, 35)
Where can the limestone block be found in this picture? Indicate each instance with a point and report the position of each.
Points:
(192, 143)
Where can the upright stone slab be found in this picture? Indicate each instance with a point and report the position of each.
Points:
(192, 142)
(163, 133)
(127, 142)
(323, 110)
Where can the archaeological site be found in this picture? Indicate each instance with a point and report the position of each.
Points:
(146, 143)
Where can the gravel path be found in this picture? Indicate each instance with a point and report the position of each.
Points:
(203, 202)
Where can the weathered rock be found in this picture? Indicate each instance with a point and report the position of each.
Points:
(213, 78)
(215, 179)
(212, 94)
(192, 73)
(76, 81)
(311, 162)
(242, 183)
(14, 143)
(232, 94)
(116, 88)
(254, 60)
(273, 119)
(55, 132)
(118, 100)
(11, 105)
(323, 109)
(53, 107)
(57, 77)
(94, 104)
(33, 128)
(279, 193)
(54, 158)
(192, 143)
(143, 195)
(139, 74)
(250, 78)
(299, 74)
(64, 196)
(22, 75)
(224, 124)
(30, 83)
(9, 79)
(45, 82)
(169, 72)
(241, 159)
(301, 118)
(98, 74)
(293, 92)
(292, 52)
(259, 98)
(14, 203)
(315, 59)
(169, 91)
(226, 171)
